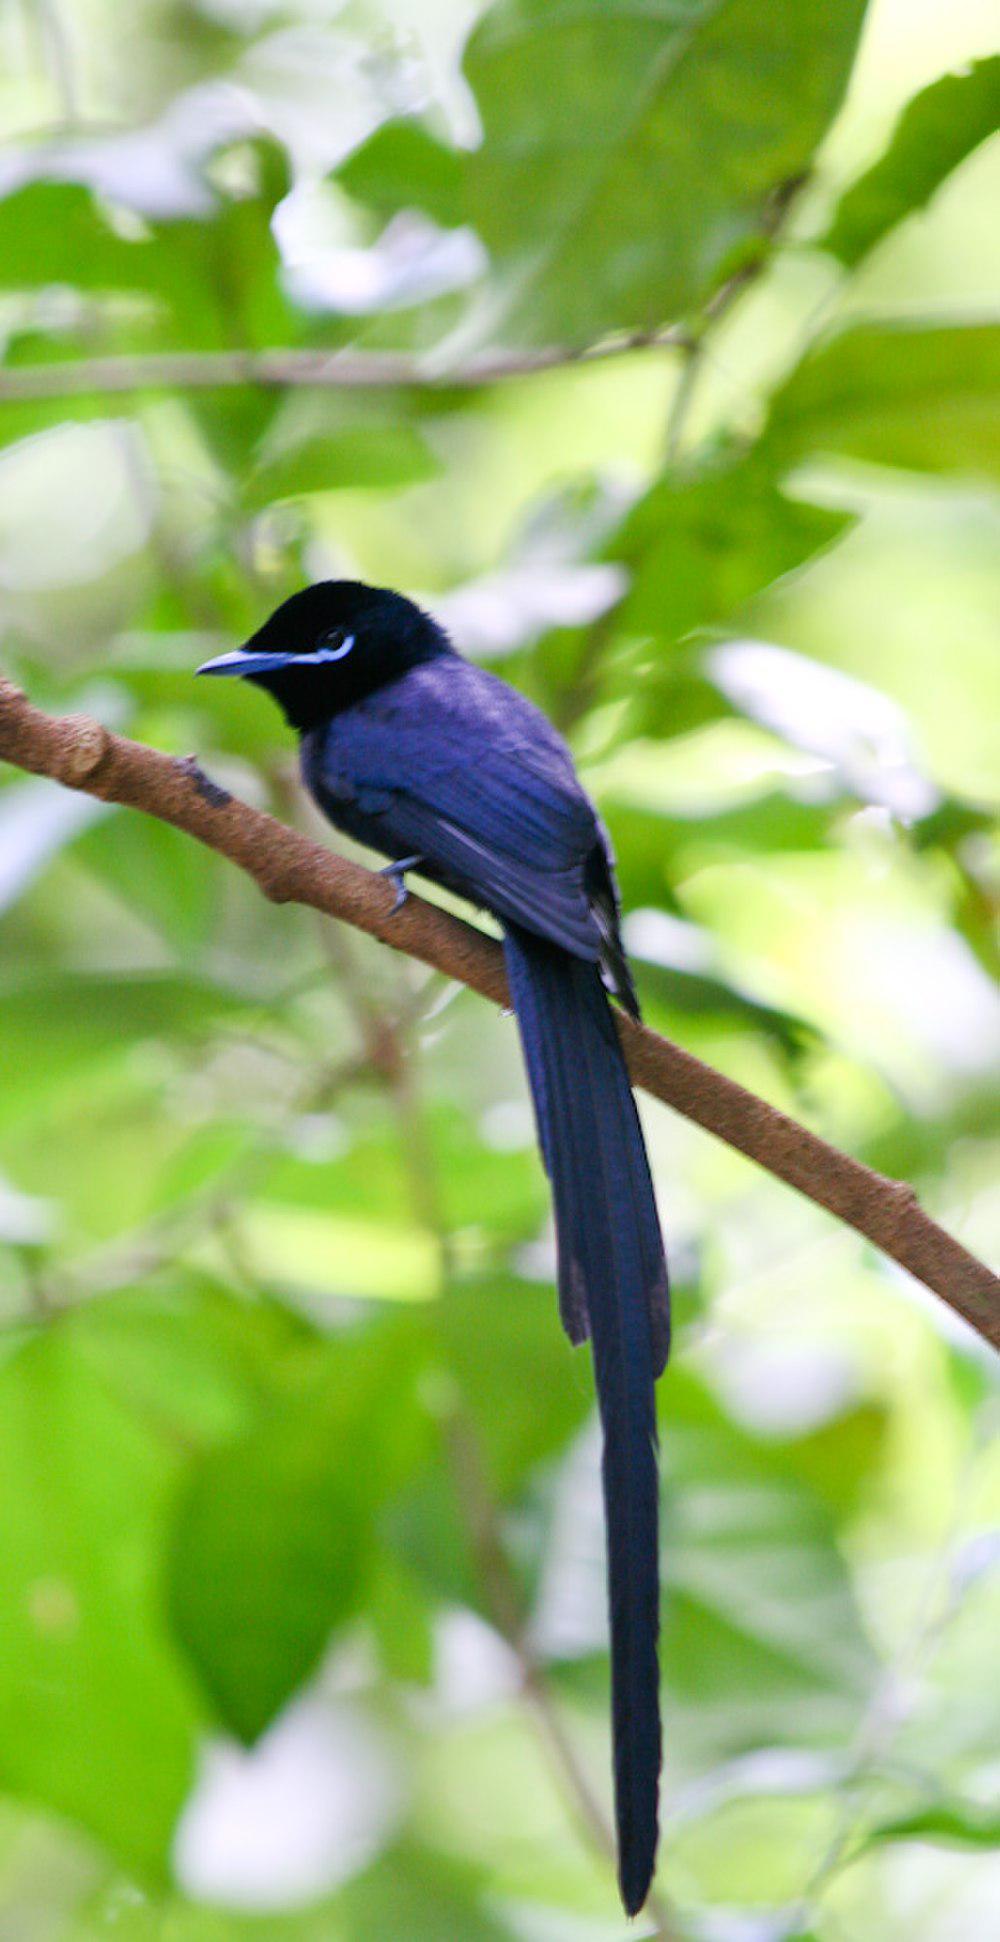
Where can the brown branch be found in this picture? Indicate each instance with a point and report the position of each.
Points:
(77, 751)
(291, 368)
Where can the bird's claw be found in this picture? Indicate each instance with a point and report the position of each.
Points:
(396, 873)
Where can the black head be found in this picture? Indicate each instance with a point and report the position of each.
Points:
(331, 645)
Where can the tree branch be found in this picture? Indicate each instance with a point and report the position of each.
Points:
(341, 370)
(78, 752)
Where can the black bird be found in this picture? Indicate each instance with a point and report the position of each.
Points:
(443, 768)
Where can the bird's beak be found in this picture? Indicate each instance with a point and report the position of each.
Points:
(245, 661)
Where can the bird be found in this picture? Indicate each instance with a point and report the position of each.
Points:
(450, 772)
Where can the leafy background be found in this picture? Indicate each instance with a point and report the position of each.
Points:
(301, 1596)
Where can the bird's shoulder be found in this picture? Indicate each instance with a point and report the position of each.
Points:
(444, 716)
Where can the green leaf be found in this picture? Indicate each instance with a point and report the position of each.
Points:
(959, 1824)
(923, 398)
(187, 1357)
(424, 1896)
(61, 1028)
(158, 871)
(401, 1622)
(506, 1347)
(593, 188)
(323, 442)
(313, 1253)
(700, 550)
(213, 279)
(401, 165)
(98, 1722)
(936, 131)
(54, 233)
(275, 1538)
(762, 1635)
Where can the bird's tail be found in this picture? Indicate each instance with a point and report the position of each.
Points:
(612, 1288)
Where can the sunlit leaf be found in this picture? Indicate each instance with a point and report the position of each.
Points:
(936, 131)
(274, 1543)
(700, 550)
(58, 1029)
(98, 1716)
(761, 1621)
(592, 187)
(960, 1824)
(926, 398)
(402, 165)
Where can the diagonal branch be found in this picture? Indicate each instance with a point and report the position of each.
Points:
(77, 751)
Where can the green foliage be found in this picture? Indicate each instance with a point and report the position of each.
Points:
(909, 397)
(699, 549)
(295, 1461)
(763, 1638)
(99, 1722)
(276, 1531)
(589, 187)
(936, 132)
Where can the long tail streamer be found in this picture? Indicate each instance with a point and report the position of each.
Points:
(613, 1289)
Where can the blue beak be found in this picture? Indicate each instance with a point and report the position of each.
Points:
(242, 661)
(247, 660)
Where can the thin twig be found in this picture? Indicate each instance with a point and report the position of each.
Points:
(281, 369)
(78, 751)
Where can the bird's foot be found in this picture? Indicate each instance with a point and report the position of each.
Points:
(396, 873)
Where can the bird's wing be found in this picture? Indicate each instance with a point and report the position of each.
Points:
(453, 766)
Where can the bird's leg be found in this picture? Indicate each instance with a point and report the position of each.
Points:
(396, 873)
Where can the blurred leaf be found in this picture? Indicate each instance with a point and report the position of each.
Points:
(426, 1531)
(401, 166)
(54, 233)
(839, 1459)
(59, 1029)
(505, 1345)
(401, 1622)
(689, 992)
(498, 1196)
(588, 112)
(159, 871)
(329, 443)
(98, 1721)
(393, 456)
(275, 1537)
(301, 1249)
(187, 1356)
(699, 550)
(213, 279)
(926, 398)
(761, 1623)
(425, 1897)
(936, 131)
(961, 1824)
(502, 1194)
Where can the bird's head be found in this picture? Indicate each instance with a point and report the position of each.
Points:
(331, 645)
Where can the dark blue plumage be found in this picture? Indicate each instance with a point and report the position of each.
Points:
(413, 751)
